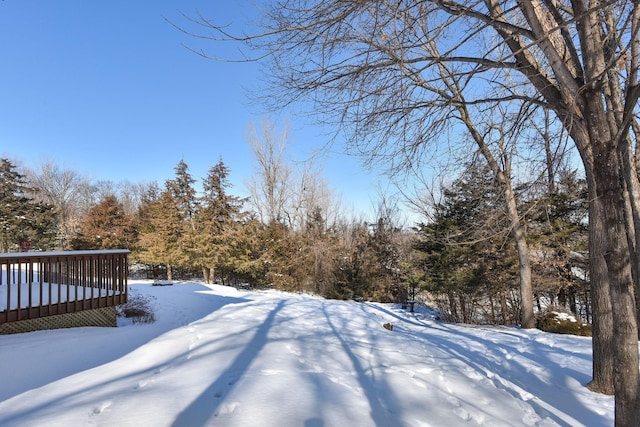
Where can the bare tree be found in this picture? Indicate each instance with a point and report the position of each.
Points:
(315, 194)
(68, 192)
(131, 194)
(269, 189)
(363, 64)
(283, 190)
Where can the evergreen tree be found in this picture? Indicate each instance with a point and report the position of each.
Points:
(280, 256)
(321, 244)
(42, 230)
(217, 224)
(558, 229)
(161, 229)
(22, 219)
(248, 247)
(355, 263)
(106, 226)
(468, 261)
(169, 226)
(183, 192)
(384, 245)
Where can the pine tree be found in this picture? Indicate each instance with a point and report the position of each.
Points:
(558, 229)
(467, 259)
(22, 219)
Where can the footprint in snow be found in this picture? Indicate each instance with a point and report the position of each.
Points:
(160, 370)
(419, 382)
(463, 414)
(453, 401)
(100, 408)
(293, 349)
(194, 341)
(472, 374)
(227, 408)
(141, 384)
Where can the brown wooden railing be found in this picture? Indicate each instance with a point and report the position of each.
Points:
(40, 284)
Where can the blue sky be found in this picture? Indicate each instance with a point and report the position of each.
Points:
(108, 89)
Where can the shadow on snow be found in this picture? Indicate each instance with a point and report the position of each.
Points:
(490, 362)
(205, 406)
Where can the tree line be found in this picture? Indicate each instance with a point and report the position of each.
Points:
(289, 234)
(177, 231)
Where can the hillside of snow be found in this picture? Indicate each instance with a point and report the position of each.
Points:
(223, 357)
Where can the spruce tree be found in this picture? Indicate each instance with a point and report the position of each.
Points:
(558, 231)
(468, 261)
(22, 219)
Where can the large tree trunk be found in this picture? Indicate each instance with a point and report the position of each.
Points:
(635, 167)
(602, 318)
(632, 212)
(615, 253)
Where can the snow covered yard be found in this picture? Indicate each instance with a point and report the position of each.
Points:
(219, 356)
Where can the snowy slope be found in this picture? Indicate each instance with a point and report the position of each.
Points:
(218, 356)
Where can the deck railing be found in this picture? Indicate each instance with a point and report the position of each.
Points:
(40, 284)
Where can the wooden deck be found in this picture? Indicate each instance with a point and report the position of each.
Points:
(39, 284)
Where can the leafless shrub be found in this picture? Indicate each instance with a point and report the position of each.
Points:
(139, 308)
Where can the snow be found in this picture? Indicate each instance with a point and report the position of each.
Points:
(564, 316)
(226, 357)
